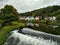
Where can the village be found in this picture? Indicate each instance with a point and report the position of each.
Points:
(29, 18)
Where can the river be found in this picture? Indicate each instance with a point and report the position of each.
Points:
(31, 37)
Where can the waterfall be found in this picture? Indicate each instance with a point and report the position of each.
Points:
(16, 38)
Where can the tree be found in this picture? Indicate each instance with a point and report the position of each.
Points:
(58, 17)
(8, 9)
(9, 12)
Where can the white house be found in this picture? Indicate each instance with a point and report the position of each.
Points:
(52, 18)
(29, 18)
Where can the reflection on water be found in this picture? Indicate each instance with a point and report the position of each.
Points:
(33, 24)
(38, 25)
(30, 24)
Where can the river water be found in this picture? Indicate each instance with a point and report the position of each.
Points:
(31, 38)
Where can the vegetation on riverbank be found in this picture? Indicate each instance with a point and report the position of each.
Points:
(4, 31)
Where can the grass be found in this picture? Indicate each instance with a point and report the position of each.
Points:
(6, 29)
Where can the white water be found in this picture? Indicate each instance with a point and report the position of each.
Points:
(20, 39)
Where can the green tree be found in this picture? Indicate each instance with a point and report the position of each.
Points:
(8, 12)
(58, 17)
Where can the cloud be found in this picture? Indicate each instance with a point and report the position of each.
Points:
(2, 2)
(27, 5)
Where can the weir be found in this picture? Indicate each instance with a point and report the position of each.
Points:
(41, 34)
(28, 36)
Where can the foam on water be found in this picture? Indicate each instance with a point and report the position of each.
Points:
(20, 39)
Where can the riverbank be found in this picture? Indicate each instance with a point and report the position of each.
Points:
(8, 28)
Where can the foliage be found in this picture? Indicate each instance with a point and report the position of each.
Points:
(8, 13)
(44, 12)
(58, 17)
(1, 21)
(6, 29)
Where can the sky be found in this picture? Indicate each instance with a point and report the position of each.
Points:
(28, 5)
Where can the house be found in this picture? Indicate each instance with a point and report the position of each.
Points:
(29, 18)
(38, 18)
(53, 18)
(22, 17)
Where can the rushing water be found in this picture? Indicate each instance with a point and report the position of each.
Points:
(15, 38)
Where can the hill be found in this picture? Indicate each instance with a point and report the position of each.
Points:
(46, 11)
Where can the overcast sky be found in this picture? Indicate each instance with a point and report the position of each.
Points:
(27, 5)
